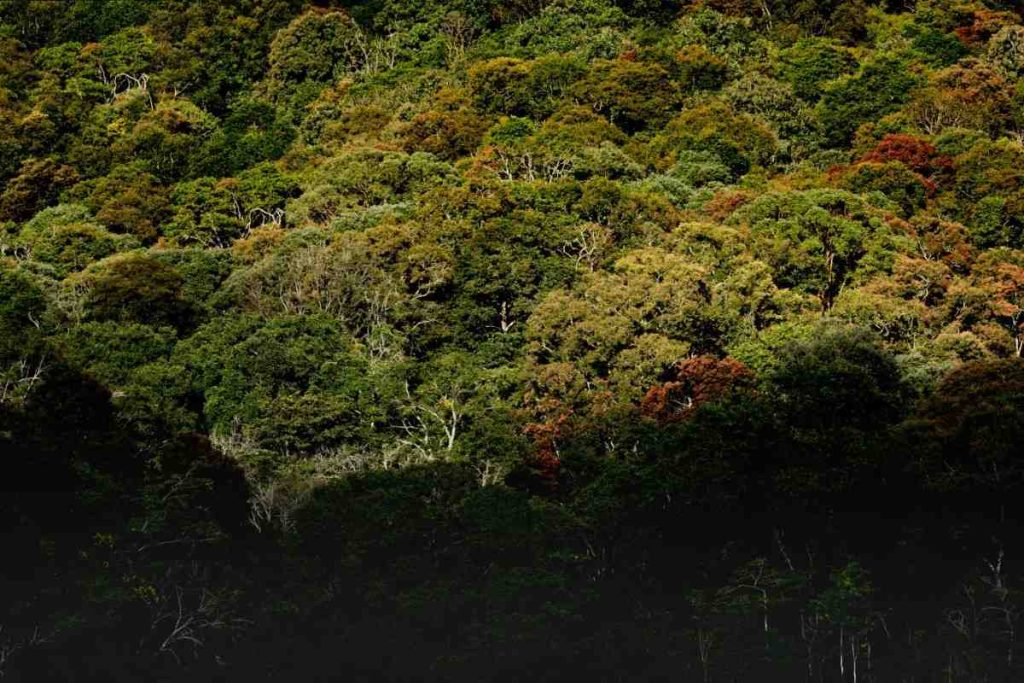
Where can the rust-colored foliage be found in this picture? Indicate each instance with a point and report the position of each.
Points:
(723, 204)
(984, 24)
(913, 152)
(546, 434)
(1007, 287)
(692, 383)
(942, 240)
(907, 168)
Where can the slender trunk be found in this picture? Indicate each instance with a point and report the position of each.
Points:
(764, 606)
(842, 661)
(853, 656)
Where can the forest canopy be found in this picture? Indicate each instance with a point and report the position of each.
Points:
(485, 339)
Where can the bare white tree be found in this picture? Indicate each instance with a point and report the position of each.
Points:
(18, 379)
(260, 217)
(273, 504)
(591, 242)
(458, 34)
(431, 423)
(378, 53)
(183, 620)
(124, 83)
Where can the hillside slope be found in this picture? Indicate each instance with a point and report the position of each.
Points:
(493, 339)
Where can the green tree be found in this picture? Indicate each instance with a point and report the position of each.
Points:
(879, 88)
(837, 395)
(168, 139)
(294, 390)
(633, 95)
(812, 63)
(815, 240)
(963, 437)
(127, 200)
(316, 48)
(131, 287)
(68, 238)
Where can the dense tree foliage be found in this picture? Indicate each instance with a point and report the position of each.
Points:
(495, 339)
